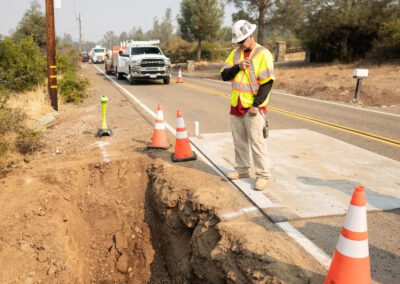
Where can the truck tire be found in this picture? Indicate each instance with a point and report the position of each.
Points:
(120, 76)
(166, 81)
(132, 81)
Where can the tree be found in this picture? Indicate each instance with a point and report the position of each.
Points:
(67, 38)
(344, 29)
(259, 10)
(281, 22)
(123, 36)
(242, 15)
(109, 39)
(200, 20)
(32, 24)
(166, 27)
(137, 34)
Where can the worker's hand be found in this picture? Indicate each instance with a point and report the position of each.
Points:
(244, 63)
(253, 111)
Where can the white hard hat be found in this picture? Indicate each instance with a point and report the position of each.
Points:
(241, 30)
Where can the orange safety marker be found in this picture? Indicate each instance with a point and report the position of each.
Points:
(350, 263)
(179, 79)
(159, 140)
(183, 151)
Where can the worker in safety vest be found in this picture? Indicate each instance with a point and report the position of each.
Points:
(250, 69)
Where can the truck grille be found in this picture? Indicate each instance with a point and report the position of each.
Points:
(152, 63)
(152, 72)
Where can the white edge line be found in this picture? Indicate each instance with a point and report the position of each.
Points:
(322, 101)
(308, 245)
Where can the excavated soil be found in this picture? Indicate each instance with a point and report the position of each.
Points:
(89, 210)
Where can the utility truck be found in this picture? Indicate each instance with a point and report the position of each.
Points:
(98, 54)
(111, 61)
(143, 60)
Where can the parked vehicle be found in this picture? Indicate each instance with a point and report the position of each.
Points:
(98, 54)
(111, 62)
(143, 60)
(84, 56)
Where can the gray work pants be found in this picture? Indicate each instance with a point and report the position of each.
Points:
(247, 134)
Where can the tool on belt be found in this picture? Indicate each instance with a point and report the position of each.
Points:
(265, 128)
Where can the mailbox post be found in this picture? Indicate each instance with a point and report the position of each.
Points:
(359, 74)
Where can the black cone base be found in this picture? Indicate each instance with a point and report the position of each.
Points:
(104, 132)
(192, 158)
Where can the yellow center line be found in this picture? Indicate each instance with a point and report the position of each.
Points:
(364, 134)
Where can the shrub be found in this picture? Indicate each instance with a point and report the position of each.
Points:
(67, 58)
(22, 67)
(28, 141)
(73, 87)
(9, 120)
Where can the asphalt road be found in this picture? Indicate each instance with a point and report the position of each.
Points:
(207, 102)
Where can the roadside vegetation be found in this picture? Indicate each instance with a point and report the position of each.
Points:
(23, 69)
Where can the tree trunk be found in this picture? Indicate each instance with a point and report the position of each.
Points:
(261, 19)
(199, 50)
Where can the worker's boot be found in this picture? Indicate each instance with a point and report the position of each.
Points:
(237, 175)
(261, 183)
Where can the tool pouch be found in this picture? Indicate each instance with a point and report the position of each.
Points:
(265, 129)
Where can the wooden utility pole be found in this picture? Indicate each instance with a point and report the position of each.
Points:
(51, 54)
(80, 33)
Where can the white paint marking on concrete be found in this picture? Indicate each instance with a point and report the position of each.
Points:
(217, 170)
(240, 212)
(101, 145)
(196, 128)
(322, 101)
(305, 243)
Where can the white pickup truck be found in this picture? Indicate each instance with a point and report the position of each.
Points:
(143, 60)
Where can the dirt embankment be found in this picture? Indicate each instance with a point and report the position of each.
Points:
(91, 210)
(330, 81)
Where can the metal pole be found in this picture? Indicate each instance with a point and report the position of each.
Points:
(51, 54)
(358, 89)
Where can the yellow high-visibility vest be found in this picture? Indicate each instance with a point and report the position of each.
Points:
(247, 82)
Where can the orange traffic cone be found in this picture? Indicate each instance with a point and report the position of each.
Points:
(350, 263)
(183, 152)
(179, 79)
(159, 132)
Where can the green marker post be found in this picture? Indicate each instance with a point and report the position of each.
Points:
(104, 130)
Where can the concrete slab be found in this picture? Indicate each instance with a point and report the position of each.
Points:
(313, 174)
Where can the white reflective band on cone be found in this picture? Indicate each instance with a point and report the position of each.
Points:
(160, 115)
(350, 248)
(180, 123)
(356, 219)
(181, 134)
(160, 125)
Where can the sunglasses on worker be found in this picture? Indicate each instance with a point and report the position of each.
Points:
(241, 42)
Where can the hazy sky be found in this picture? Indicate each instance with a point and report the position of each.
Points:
(98, 16)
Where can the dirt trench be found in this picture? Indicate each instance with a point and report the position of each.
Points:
(129, 221)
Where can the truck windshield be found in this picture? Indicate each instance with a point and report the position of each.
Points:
(98, 50)
(145, 50)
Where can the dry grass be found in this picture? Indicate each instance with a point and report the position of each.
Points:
(18, 119)
(335, 82)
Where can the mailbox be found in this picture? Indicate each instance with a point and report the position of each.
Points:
(360, 73)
